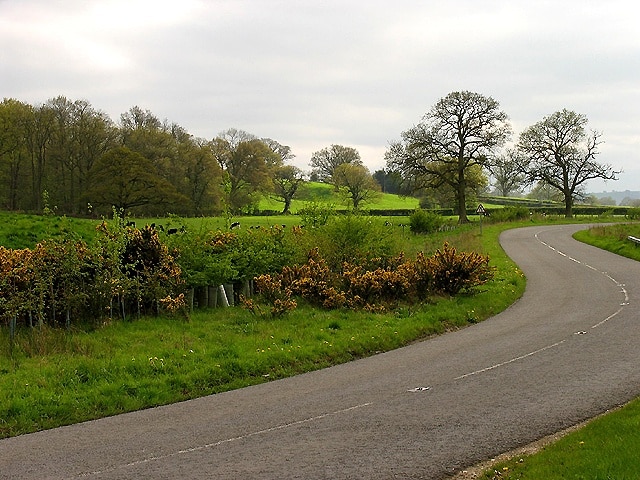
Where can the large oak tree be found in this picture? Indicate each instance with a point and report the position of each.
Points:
(562, 155)
(356, 183)
(325, 161)
(287, 180)
(461, 131)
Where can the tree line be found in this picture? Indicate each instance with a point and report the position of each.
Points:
(68, 157)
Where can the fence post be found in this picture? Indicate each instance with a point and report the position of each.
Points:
(223, 296)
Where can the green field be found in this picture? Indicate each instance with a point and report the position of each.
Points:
(54, 377)
(325, 193)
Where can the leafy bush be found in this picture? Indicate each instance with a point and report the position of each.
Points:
(633, 213)
(204, 257)
(279, 298)
(454, 272)
(423, 221)
(262, 250)
(315, 214)
(357, 287)
(372, 286)
(355, 239)
(509, 214)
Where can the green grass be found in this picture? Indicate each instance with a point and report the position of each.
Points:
(605, 449)
(325, 193)
(613, 238)
(55, 377)
(25, 231)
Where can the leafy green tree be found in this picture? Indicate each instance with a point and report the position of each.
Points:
(282, 151)
(247, 164)
(287, 181)
(630, 202)
(356, 183)
(325, 161)
(125, 179)
(202, 176)
(562, 155)
(544, 192)
(79, 137)
(390, 182)
(446, 195)
(462, 130)
(141, 131)
(14, 154)
(39, 129)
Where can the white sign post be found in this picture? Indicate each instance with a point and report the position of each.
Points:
(482, 212)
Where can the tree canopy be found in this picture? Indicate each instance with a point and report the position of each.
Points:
(125, 179)
(325, 161)
(356, 183)
(247, 164)
(287, 180)
(47, 152)
(507, 172)
(561, 154)
(461, 131)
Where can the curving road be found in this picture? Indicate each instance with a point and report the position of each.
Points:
(565, 352)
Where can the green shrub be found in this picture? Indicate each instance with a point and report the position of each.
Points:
(374, 289)
(509, 214)
(263, 250)
(356, 239)
(454, 272)
(633, 213)
(315, 214)
(423, 221)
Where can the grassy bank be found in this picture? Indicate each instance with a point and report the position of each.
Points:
(605, 449)
(54, 377)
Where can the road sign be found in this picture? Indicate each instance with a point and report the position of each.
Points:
(480, 210)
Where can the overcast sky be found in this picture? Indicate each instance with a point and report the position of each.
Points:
(314, 73)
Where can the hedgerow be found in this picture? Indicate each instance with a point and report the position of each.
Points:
(447, 272)
(129, 272)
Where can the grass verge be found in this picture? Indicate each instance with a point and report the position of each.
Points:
(605, 449)
(53, 377)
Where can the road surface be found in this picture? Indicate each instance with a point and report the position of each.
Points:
(565, 352)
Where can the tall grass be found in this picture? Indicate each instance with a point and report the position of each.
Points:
(613, 238)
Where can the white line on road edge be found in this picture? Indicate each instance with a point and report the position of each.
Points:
(510, 361)
(221, 442)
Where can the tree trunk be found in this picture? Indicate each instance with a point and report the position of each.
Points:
(287, 206)
(568, 206)
(462, 205)
(461, 198)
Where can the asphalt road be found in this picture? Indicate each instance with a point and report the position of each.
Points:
(565, 352)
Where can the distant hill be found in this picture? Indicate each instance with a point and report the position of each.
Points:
(618, 196)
